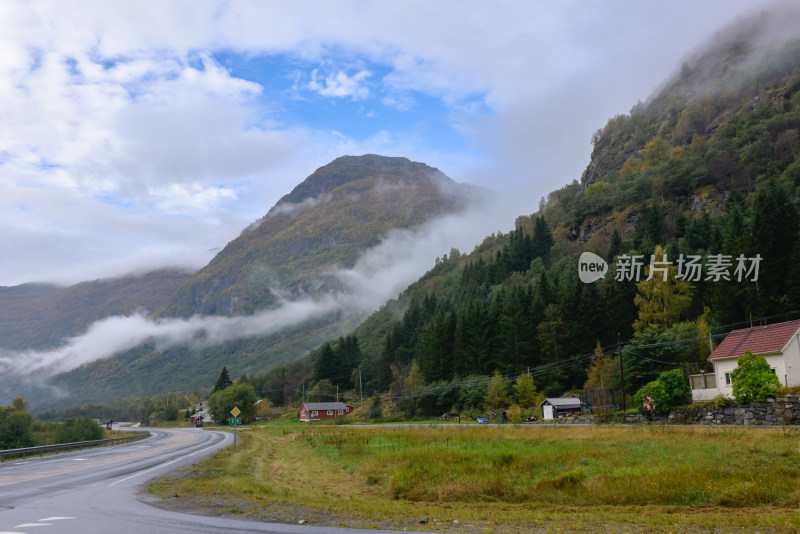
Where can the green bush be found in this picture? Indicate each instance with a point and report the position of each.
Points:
(753, 380)
(16, 429)
(677, 387)
(651, 399)
(238, 395)
(78, 429)
(658, 397)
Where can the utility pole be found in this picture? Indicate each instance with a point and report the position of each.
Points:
(337, 392)
(458, 397)
(621, 372)
(360, 388)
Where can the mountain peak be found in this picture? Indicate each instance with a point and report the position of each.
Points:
(346, 169)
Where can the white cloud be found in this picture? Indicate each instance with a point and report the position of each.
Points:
(340, 85)
(121, 104)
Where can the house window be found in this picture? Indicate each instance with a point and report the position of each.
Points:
(314, 413)
(728, 381)
(330, 412)
(340, 412)
(774, 371)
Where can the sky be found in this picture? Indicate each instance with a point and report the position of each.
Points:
(137, 135)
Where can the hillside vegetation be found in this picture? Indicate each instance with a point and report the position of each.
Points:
(708, 168)
(705, 173)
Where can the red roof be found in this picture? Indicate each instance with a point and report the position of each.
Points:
(758, 340)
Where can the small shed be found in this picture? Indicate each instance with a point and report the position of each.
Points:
(312, 411)
(203, 416)
(555, 407)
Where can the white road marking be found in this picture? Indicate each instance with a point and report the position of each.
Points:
(26, 525)
(55, 518)
(79, 459)
(161, 465)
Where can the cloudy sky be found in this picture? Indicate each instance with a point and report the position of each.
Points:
(138, 134)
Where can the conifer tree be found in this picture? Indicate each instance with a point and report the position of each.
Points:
(542, 241)
(223, 381)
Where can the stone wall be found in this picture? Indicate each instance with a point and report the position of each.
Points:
(780, 411)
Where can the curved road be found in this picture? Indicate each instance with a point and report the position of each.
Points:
(94, 490)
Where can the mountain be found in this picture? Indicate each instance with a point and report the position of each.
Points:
(328, 220)
(38, 316)
(707, 168)
(290, 255)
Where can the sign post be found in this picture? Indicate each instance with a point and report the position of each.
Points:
(235, 420)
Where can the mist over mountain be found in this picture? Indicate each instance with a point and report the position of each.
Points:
(36, 316)
(326, 222)
(349, 236)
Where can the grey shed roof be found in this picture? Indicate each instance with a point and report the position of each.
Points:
(563, 402)
(325, 406)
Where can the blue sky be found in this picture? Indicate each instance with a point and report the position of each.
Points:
(351, 96)
(137, 135)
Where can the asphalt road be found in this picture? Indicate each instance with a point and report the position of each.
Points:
(94, 490)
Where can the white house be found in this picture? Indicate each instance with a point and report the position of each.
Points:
(552, 407)
(778, 343)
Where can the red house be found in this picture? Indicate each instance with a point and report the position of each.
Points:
(311, 411)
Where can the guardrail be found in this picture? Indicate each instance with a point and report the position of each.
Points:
(69, 446)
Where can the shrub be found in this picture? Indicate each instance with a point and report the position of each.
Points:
(658, 397)
(238, 395)
(16, 429)
(753, 380)
(677, 387)
(651, 399)
(78, 429)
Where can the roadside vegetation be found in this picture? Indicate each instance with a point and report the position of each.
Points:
(18, 429)
(504, 478)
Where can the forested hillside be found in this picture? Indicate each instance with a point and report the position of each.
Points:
(704, 174)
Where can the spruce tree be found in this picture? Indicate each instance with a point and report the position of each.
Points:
(223, 381)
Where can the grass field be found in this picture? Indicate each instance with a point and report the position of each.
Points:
(507, 479)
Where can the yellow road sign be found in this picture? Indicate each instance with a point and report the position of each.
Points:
(236, 411)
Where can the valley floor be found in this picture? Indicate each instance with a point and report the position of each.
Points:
(501, 479)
